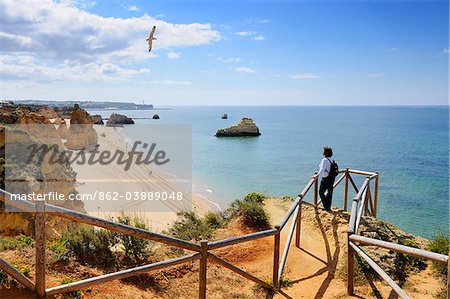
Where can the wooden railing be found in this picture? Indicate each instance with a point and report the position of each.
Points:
(363, 203)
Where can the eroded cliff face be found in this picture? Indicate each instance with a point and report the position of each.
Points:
(81, 132)
(39, 176)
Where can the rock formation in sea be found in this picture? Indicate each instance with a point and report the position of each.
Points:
(119, 119)
(81, 132)
(98, 120)
(225, 116)
(156, 116)
(245, 127)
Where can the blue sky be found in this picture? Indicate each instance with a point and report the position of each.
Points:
(227, 52)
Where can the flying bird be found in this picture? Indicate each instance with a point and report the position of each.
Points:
(151, 38)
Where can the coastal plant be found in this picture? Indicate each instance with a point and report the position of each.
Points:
(405, 263)
(249, 213)
(255, 197)
(440, 244)
(59, 249)
(189, 226)
(89, 245)
(214, 220)
(13, 243)
(134, 247)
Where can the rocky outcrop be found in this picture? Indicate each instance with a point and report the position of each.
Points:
(98, 120)
(119, 119)
(245, 127)
(81, 132)
(31, 176)
(225, 116)
(63, 131)
(156, 116)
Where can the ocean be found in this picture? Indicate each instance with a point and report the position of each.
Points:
(408, 146)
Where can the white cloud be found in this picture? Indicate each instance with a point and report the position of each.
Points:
(47, 41)
(244, 70)
(132, 8)
(169, 82)
(259, 37)
(446, 51)
(61, 30)
(245, 33)
(394, 49)
(304, 76)
(229, 60)
(173, 55)
(22, 67)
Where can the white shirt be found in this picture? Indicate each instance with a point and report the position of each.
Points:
(324, 168)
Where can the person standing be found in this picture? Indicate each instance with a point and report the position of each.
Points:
(327, 173)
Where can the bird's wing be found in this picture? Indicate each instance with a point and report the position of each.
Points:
(150, 44)
(152, 32)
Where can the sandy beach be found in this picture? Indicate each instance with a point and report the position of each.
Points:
(101, 179)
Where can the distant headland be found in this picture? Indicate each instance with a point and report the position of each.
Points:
(89, 105)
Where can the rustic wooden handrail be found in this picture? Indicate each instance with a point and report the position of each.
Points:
(121, 274)
(14, 273)
(439, 258)
(239, 271)
(380, 271)
(202, 251)
(241, 239)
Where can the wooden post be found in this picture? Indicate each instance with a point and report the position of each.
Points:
(350, 259)
(202, 270)
(316, 189)
(276, 257)
(448, 277)
(375, 195)
(299, 226)
(346, 190)
(39, 227)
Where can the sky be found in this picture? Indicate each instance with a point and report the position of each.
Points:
(215, 52)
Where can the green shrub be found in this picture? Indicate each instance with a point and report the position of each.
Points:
(88, 245)
(250, 213)
(440, 244)
(255, 197)
(189, 226)
(214, 220)
(13, 243)
(3, 278)
(76, 294)
(60, 251)
(133, 246)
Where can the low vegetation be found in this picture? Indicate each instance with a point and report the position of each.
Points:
(250, 213)
(191, 227)
(440, 244)
(13, 243)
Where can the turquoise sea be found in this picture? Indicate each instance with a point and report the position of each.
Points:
(408, 146)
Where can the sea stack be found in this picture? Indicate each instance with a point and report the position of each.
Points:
(225, 116)
(245, 128)
(118, 120)
(156, 116)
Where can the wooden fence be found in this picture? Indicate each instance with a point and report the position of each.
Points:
(363, 204)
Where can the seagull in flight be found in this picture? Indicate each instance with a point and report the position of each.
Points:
(151, 38)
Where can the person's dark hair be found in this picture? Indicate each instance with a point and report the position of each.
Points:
(328, 151)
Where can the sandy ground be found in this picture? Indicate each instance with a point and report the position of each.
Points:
(101, 179)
